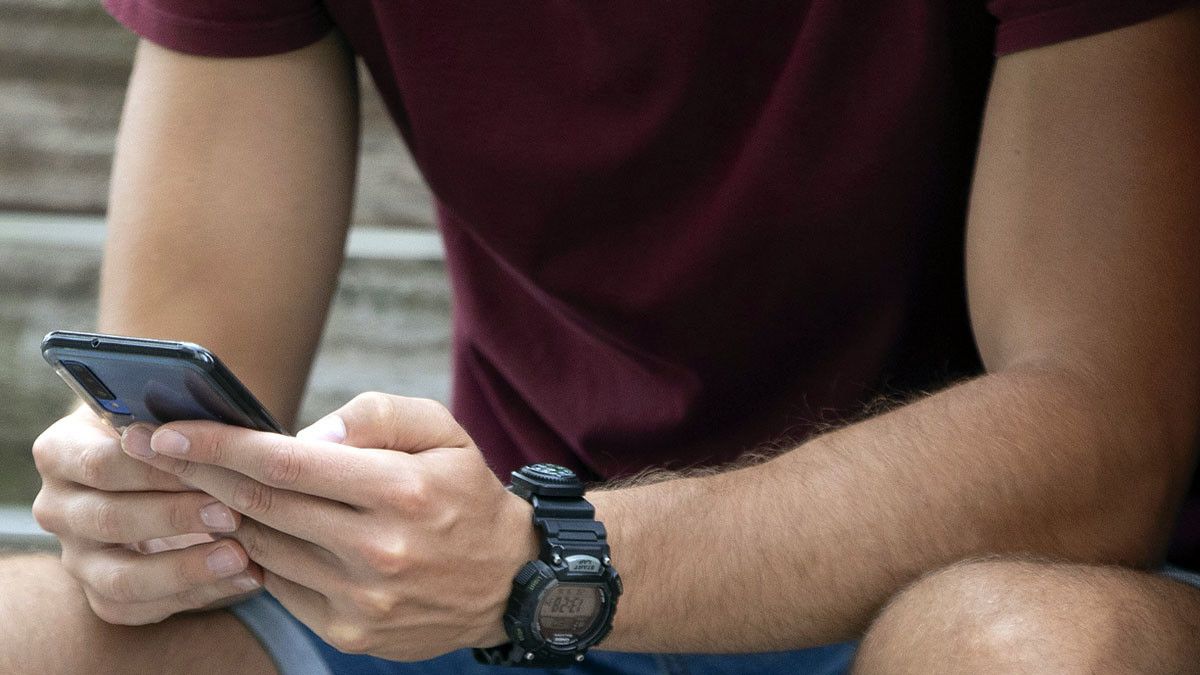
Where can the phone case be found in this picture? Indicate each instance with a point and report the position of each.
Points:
(152, 381)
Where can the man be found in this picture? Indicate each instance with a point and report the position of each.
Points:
(676, 234)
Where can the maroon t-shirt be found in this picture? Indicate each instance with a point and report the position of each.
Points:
(678, 232)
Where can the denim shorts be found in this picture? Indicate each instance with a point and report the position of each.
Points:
(298, 651)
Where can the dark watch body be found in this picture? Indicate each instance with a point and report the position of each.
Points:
(562, 603)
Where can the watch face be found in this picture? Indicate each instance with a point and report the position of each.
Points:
(568, 612)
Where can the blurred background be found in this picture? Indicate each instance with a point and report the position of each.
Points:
(63, 67)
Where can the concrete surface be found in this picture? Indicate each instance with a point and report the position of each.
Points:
(63, 67)
(20, 532)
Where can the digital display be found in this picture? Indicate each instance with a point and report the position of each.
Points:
(568, 611)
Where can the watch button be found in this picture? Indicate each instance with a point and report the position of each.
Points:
(525, 574)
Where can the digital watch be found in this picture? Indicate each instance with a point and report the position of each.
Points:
(563, 602)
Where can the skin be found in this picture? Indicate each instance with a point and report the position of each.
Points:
(1075, 445)
(377, 510)
(57, 632)
(1009, 616)
(192, 226)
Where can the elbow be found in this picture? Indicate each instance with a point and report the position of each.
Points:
(1137, 513)
(1144, 449)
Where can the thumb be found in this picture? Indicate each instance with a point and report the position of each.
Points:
(375, 420)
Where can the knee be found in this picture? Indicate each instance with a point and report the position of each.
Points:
(996, 616)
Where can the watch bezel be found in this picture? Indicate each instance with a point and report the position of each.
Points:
(527, 598)
(527, 482)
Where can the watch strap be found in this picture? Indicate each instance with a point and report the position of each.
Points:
(509, 654)
(568, 535)
(568, 531)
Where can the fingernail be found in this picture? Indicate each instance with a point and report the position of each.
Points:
(330, 428)
(245, 582)
(223, 562)
(218, 517)
(169, 442)
(151, 546)
(136, 441)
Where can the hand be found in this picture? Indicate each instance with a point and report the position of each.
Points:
(404, 555)
(121, 523)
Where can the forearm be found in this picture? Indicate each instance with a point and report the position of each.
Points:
(1084, 301)
(230, 199)
(802, 550)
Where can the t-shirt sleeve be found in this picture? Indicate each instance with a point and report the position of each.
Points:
(224, 27)
(1025, 24)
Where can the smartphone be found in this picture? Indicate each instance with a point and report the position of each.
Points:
(126, 380)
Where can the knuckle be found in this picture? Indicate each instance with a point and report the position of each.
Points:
(442, 419)
(411, 494)
(438, 411)
(252, 497)
(91, 465)
(180, 467)
(388, 558)
(107, 520)
(45, 457)
(378, 406)
(46, 511)
(370, 399)
(115, 584)
(374, 604)
(181, 515)
(281, 465)
(108, 612)
(437, 408)
(72, 561)
(215, 446)
(349, 638)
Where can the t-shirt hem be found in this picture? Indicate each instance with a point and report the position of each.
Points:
(1076, 20)
(1185, 544)
(205, 37)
